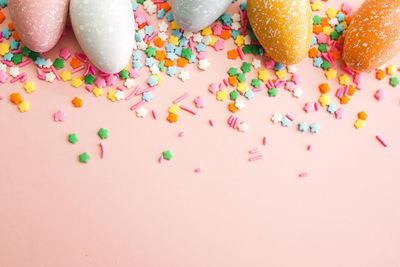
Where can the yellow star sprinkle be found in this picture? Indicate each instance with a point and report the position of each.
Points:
(23, 106)
(324, 100)
(222, 95)
(97, 91)
(280, 74)
(174, 26)
(111, 95)
(263, 75)
(65, 75)
(391, 69)
(331, 13)
(159, 78)
(239, 40)
(359, 124)
(29, 87)
(344, 79)
(206, 31)
(316, 6)
(174, 109)
(213, 40)
(76, 82)
(344, 24)
(330, 74)
(4, 48)
(174, 40)
(327, 30)
(242, 88)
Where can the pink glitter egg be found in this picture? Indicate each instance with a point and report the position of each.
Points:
(39, 23)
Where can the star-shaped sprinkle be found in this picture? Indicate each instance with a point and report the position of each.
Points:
(65, 53)
(77, 102)
(141, 112)
(302, 127)
(147, 96)
(73, 138)
(23, 106)
(50, 77)
(380, 95)
(14, 71)
(167, 155)
(84, 157)
(339, 113)
(200, 102)
(60, 116)
(76, 82)
(314, 128)
(204, 64)
(111, 95)
(243, 127)
(29, 87)
(273, 92)
(163, 26)
(97, 91)
(3, 76)
(197, 37)
(332, 108)
(103, 133)
(359, 124)
(276, 118)
(308, 107)
(256, 63)
(285, 122)
(292, 69)
(119, 95)
(324, 100)
(129, 83)
(222, 95)
(184, 76)
(174, 109)
(65, 75)
(240, 104)
(298, 92)
(394, 81)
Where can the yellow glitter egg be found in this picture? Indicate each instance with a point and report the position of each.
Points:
(283, 28)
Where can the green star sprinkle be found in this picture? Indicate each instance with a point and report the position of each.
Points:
(161, 65)
(186, 53)
(234, 95)
(25, 51)
(334, 35)
(322, 48)
(58, 63)
(17, 58)
(167, 155)
(233, 72)
(241, 77)
(246, 67)
(103, 133)
(89, 79)
(72, 138)
(316, 20)
(325, 65)
(84, 157)
(256, 83)
(124, 74)
(273, 91)
(151, 51)
(394, 81)
(33, 55)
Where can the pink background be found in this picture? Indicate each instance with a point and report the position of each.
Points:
(129, 210)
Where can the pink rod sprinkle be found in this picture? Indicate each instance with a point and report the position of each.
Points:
(188, 110)
(86, 71)
(235, 123)
(141, 102)
(258, 89)
(154, 114)
(160, 159)
(254, 151)
(179, 99)
(316, 106)
(303, 175)
(24, 63)
(55, 72)
(230, 119)
(132, 94)
(92, 70)
(211, 122)
(309, 147)
(289, 117)
(181, 134)
(256, 158)
(264, 141)
(381, 141)
(9, 64)
(241, 54)
(103, 151)
(88, 88)
(197, 170)
(349, 71)
(78, 69)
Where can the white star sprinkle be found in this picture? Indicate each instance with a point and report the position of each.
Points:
(297, 92)
(235, 17)
(141, 112)
(206, 39)
(256, 63)
(235, 26)
(197, 37)
(277, 118)
(48, 63)
(14, 71)
(163, 36)
(240, 104)
(3, 66)
(119, 95)
(247, 40)
(204, 64)
(154, 69)
(184, 76)
(243, 127)
(187, 34)
(292, 69)
(50, 77)
(129, 83)
(163, 26)
(142, 45)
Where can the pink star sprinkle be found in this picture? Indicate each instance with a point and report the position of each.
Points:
(380, 94)
(60, 116)
(100, 82)
(339, 113)
(219, 45)
(200, 102)
(3, 76)
(308, 107)
(64, 53)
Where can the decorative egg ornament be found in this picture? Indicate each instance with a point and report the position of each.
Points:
(195, 15)
(373, 36)
(39, 23)
(283, 28)
(105, 30)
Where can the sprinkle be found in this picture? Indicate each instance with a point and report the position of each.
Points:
(211, 123)
(84, 157)
(103, 151)
(381, 141)
(256, 158)
(179, 99)
(264, 140)
(60, 116)
(188, 109)
(181, 134)
(167, 155)
(197, 170)
(254, 151)
(103, 133)
(73, 138)
(309, 147)
(153, 112)
(140, 103)
(303, 175)
(380, 95)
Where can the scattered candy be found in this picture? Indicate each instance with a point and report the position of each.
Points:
(103, 133)
(84, 157)
(60, 116)
(73, 138)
